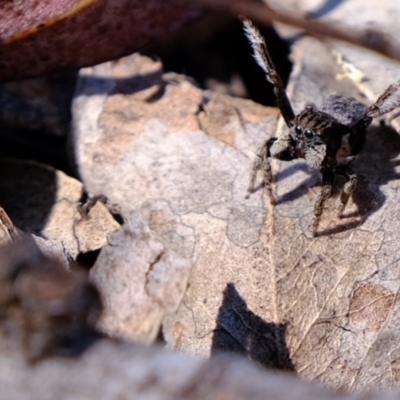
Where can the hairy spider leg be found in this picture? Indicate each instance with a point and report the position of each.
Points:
(264, 60)
(262, 163)
(323, 196)
(280, 148)
(348, 187)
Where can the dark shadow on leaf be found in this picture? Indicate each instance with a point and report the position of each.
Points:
(94, 85)
(285, 173)
(339, 228)
(296, 193)
(241, 331)
(367, 202)
(375, 167)
(29, 144)
(300, 191)
(27, 193)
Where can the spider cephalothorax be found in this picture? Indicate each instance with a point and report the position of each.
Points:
(317, 135)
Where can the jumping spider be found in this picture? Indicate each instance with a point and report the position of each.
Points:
(320, 136)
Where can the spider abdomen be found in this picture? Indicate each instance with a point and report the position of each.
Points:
(346, 110)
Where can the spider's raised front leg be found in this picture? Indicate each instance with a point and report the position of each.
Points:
(348, 188)
(281, 149)
(387, 101)
(324, 194)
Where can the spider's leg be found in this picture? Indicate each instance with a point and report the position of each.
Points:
(264, 60)
(262, 163)
(348, 188)
(388, 101)
(281, 149)
(324, 194)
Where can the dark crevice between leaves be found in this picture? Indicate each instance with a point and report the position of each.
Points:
(35, 117)
(160, 338)
(29, 144)
(151, 267)
(241, 331)
(87, 259)
(222, 60)
(47, 311)
(28, 193)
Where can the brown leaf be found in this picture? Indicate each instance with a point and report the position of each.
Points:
(140, 282)
(47, 311)
(44, 201)
(38, 37)
(44, 308)
(111, 370)
(261, 285)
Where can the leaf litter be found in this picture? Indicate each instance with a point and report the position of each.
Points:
(258, 284)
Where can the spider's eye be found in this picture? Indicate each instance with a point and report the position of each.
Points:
(308, 134)
(298, 130)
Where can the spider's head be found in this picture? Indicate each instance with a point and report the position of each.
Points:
(316, 134)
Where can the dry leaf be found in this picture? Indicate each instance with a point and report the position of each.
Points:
(305, 303)
(110, 370)
(44, 308)
(44, 201)
(40, 36)
(139, 280)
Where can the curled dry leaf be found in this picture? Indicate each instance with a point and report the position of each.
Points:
(110, 370)
(261, 286)
(139, 280)
(44, 201)
(44, 308)
(40, 36)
